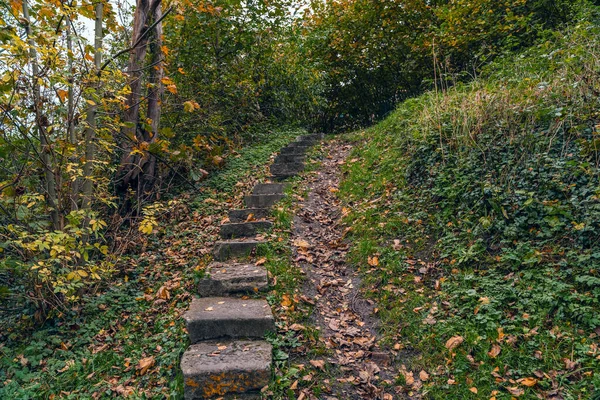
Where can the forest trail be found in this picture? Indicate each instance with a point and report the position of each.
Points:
(229, 318)
(346, 320)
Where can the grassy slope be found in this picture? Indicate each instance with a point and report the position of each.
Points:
(482, 208)
(93, 352)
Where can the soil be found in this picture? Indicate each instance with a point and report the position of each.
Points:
(347, 321)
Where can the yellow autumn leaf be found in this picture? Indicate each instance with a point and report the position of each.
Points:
(286, 300)
(188, 106)
(529, 381)
(373, 261)
(62, 94)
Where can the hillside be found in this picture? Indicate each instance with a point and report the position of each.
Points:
(473, 213)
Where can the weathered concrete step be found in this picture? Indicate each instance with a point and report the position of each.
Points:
(216, 369)
(269, 188)
(243, 215)
(291, 168)
(314, 137)
(283, 177)
(225, 279)
(262, 200)
(228, 249)
(299, 144)
(244, 229)
(294, 150)
(289, 158)
(218, 317)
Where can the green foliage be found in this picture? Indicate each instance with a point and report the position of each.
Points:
(239, 65)
(95, 347)
(375, 54)
(481, 203)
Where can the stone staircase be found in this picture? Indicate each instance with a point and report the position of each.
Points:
(228, 357)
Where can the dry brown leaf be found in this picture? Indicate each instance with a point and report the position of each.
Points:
(301, 243)
(494, 351)
(163, 293)
(318, 364)
(297, 327)
(454, 342)
(473, 390)
(261, 261)
(144, 365)
(423, 375)
(515, 391)
(408, 377)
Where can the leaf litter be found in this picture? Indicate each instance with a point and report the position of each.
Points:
(346, 320)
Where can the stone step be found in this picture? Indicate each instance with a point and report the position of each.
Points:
(293, 145)
(228, 249)
(294, 150)
(228, 317)
(283, 177)
(289, 158)
(294, 168)
(313, 137)
(225, 279)
(262, 200)
(217, 369)
(242, 215)
(269, 188)
(244, 229)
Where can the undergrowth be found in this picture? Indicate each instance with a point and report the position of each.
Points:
(297, 340)
(126, 340)
(475, 217)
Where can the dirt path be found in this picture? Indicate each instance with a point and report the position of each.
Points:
(346, 320)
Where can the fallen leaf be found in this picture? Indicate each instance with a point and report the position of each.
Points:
(529, 381)
(423, 375)
(473, 390)
(515, 391)
(373, 261)
(286, 301)
(144, 365)
(318, 364)
(261, 261)
(454, 342)
(494, 351)
(163, 293)
(303, 244)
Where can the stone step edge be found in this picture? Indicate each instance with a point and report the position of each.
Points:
(223, 279)
(220, 368)
(211, 318)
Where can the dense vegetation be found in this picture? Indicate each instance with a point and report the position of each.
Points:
(480, 205)
(481, 192)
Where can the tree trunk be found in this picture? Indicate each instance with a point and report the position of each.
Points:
(155, 92)
(138, 171)
(49, 178)
(90, 131)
